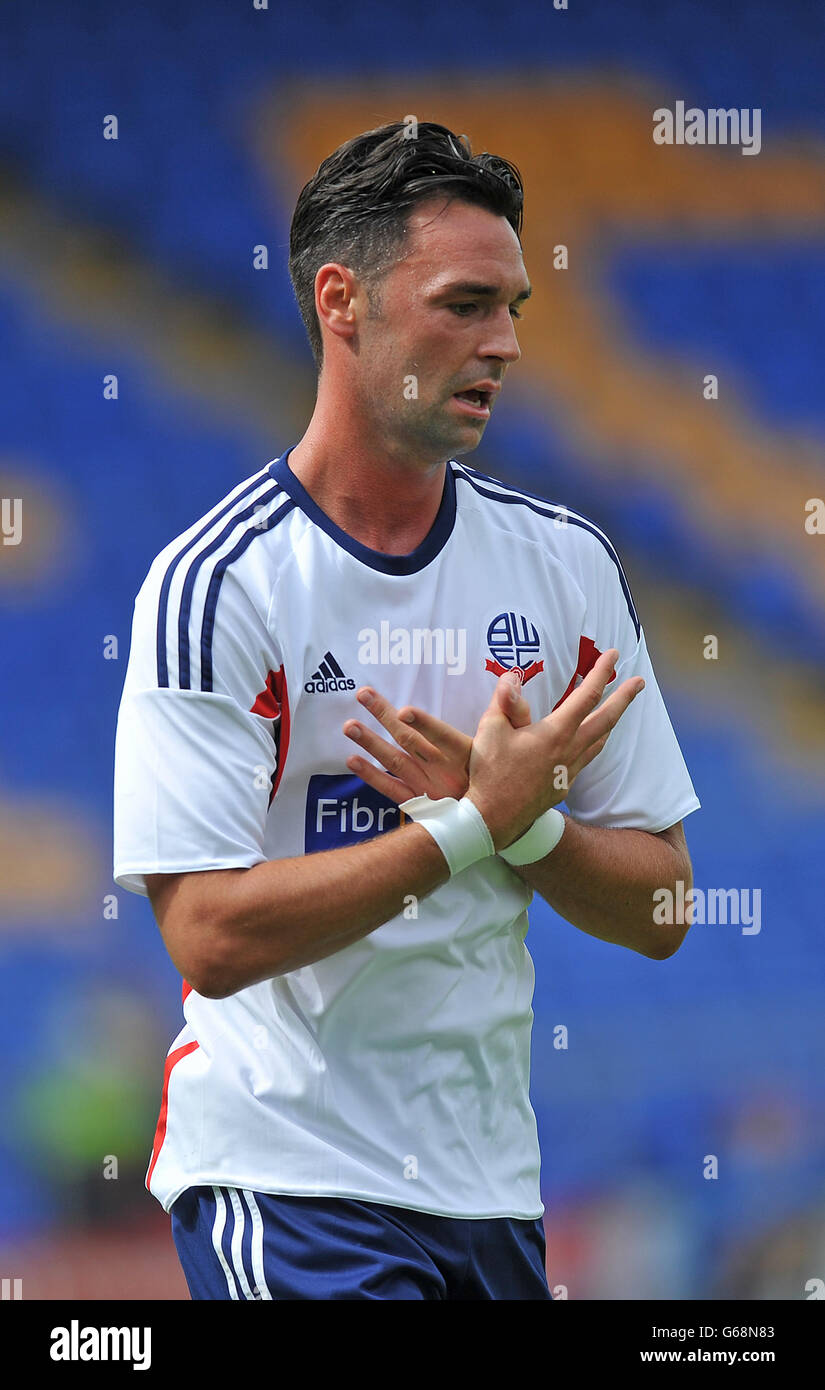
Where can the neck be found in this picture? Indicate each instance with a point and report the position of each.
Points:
(369, 486)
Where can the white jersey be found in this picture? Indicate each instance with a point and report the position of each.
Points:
(397, 1069)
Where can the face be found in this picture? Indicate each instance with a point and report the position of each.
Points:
(446, 324)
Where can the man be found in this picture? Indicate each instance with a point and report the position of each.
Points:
(345, 1113)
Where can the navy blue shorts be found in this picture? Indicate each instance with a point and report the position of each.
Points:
(237, 1244)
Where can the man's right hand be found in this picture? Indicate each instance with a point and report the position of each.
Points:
(516, 774)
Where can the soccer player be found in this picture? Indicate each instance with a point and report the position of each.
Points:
(345, 1112)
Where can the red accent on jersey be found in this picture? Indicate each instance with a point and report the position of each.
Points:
(160, 1132)
(588, 656)
(273, 703)
(267, 703)
(527, 672)
(185, 991)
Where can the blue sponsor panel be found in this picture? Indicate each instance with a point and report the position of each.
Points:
(343, 810)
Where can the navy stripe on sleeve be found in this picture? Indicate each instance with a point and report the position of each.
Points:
(163, 602)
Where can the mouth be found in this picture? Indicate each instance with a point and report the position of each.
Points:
(475, 403)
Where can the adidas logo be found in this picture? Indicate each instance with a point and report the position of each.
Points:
(329, 676)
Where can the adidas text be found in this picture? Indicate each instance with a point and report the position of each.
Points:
(320, 686)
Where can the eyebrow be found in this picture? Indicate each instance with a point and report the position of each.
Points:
(470, 287)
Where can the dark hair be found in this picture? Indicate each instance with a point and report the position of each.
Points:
(355, 207)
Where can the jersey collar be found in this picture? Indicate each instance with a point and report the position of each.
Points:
(435, 540)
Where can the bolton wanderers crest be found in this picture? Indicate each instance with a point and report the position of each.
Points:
(514, 644)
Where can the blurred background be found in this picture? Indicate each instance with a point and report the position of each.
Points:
(140, 259)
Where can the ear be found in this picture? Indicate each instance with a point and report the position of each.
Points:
(335, 293)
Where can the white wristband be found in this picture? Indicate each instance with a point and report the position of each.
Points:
(542, 837)
(457, 827)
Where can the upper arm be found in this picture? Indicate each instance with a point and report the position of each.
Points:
(195, 749)
(674, 835)
(189, 910)
(162, 890)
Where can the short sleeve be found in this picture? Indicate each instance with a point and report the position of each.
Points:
(194, 762)
(640, 779)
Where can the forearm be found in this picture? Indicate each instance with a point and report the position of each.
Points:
(287, 913)
(603, 881)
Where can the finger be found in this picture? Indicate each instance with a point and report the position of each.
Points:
(392, 787)
(511, 699)
(592, 752)
(408, 738)
(391, 757)
(494, 710)
(450, 741)
(582, 701)
(606, 717)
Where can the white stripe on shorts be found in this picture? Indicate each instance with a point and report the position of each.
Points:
(257, 1246)
(217, 1232)
(237, 1242)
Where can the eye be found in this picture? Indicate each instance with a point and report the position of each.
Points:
(459, 309)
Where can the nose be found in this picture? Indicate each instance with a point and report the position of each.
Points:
(503, 342)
